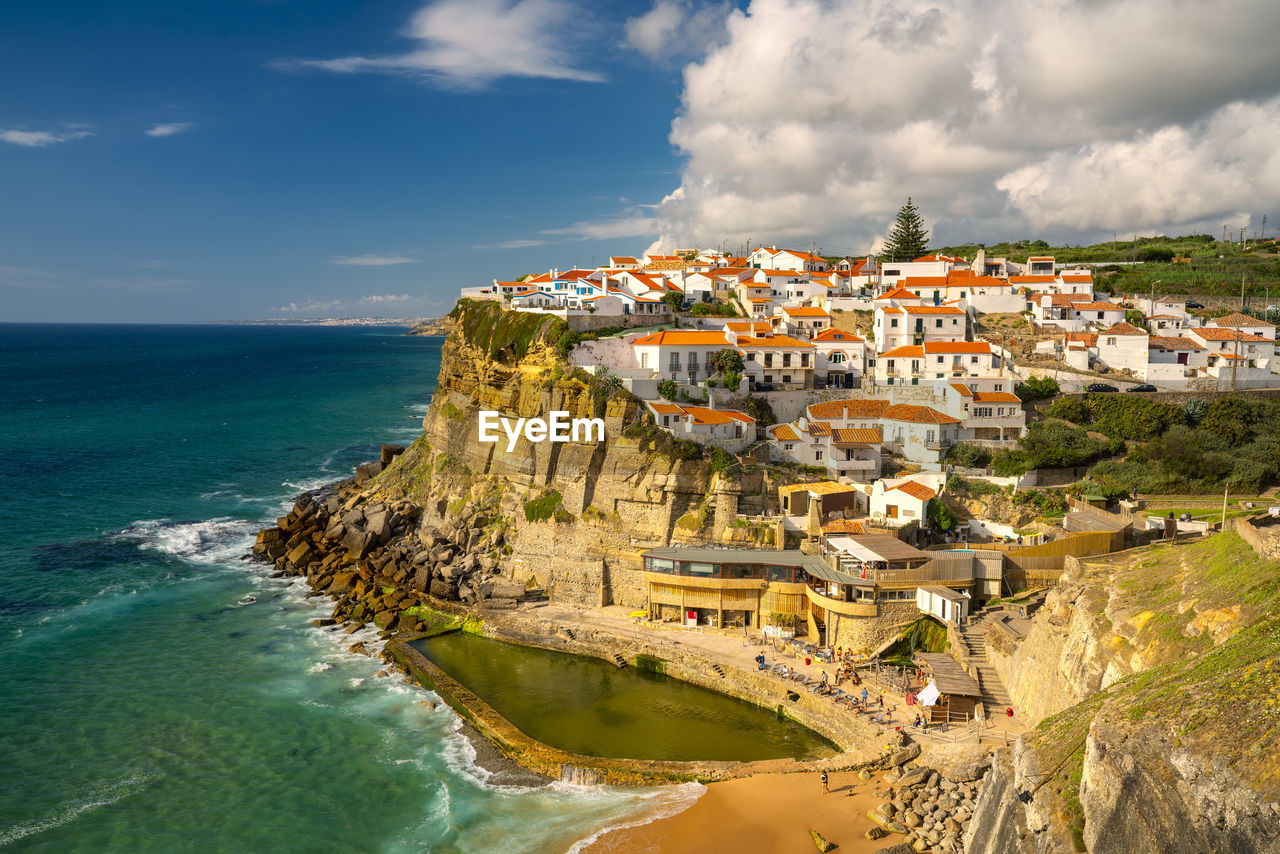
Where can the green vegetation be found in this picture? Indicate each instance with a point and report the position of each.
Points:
(1052, 443)
(968, 456)
(726, 361)
(759, 409)
(1037, 388)
(673, 300)
(541, 508)
(712, 309)
(1118, 416)
(604, 387)
(975, 488)
(507, 336)
(940, 517)
(924, 635)
(650, 663)
(668, 389)
(451, 412)
(1206, 272)
(1231, 441)
(908, 238)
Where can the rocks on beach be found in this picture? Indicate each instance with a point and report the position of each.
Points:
(931, 809)
(375, 559)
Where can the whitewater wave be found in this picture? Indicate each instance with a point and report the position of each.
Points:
(99, 796)
(211, 540)
(677, 800)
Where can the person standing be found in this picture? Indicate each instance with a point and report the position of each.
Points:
(825, 790)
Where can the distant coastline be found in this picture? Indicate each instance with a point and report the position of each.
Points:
(330, 321)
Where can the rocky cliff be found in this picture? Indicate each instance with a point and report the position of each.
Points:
(1157, 674)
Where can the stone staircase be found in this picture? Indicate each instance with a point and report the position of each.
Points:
(994, 695)
(619, 660)
(719, 671)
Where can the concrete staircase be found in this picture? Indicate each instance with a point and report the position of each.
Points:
(994, 695)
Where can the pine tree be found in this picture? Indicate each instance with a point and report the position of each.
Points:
(907, 237)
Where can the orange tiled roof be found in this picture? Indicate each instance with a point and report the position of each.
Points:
(917, 415)
(818, 428)
(773, 341)
(682, 338)
(1097, 306)
(1078, 278)
(856, 435)
(897, 293)
(806, 311)
(1238, 319)
(910, 351)
(995, 397)
(850, 408)
(1213, 333)
(941, 347)
(932, 309)
(1123, 328)
(963, 389)
(784, 433)
(1163, 343)
(844, 526)
(836, 335)
(704, 415)
(1032, 279)
(916, 490)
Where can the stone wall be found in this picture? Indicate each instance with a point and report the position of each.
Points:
(1262, 533)
(864, 634)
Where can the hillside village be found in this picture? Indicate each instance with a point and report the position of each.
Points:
(868, 373)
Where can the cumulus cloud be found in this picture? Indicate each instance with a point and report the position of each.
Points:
(523, 243)
(608, 229)
(815, 120)
(385, 299)
(169, 129)
(372, 260)
(470, 43)
(674, 30)
(41, 138)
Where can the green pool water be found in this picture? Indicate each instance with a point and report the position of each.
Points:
(587, 706)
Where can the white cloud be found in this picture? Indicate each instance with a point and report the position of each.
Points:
(169, 129)
(608, 229)
(815, 120)
(41, 138)
(381, 299)
(469, 43)
(311, 305)
(372, 260)
(677, 29)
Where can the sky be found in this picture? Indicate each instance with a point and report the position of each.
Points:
(168, 161)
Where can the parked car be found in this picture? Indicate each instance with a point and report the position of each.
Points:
(1100, 388)
(1142, 387)
(1193, 304)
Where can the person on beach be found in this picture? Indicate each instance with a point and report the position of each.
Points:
(825, 790)
(864, 696)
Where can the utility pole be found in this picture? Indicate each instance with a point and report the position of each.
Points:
(1223, 526)
(1263, 233)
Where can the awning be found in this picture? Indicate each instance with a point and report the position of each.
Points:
(855, 549)
(929, 696)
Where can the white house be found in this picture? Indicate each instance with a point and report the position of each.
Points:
(917, 324)
(1123, 347)
(841, 358)
(724, 428)
(683, 355)
(986, 411)
(1244, 323)
(778, 361)
(899, 502)
(802, 321)
(937, 361)
(844, 451)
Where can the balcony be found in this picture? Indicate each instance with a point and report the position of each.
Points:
(840, 606)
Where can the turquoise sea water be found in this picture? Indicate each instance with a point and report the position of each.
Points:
(141, 707)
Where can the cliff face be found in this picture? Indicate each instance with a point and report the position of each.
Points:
(573, 516)
(1159, 671)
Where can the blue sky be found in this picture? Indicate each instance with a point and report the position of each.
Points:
(165, 161)
(269, 173)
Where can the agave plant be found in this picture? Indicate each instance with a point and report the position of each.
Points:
(1194, 410)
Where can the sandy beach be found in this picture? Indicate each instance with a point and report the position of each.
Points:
(765, 813)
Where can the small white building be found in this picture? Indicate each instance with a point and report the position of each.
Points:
(947, 605)
(900, 502)
(802, 321)
(724, 428)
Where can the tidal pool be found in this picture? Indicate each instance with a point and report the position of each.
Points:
(587, 706)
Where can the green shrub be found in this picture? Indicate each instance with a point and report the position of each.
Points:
(731, 381)
(543, 507)
(968, 455)
(1009, 462)
(712, 309)
(668, 389)
(1037, 388)
(759, 409)
(1069, 409)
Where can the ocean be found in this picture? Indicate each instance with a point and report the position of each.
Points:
(142, 706)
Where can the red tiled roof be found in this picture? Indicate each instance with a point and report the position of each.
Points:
(1213, 333)
(1123, 328)
(806, 311)
(682, 338)
(1163, 343)
(784, 433)
(1238, 319)
(995, 397)
(856, 435)
(836, 335)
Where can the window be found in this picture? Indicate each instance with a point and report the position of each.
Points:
(931, 436)
(940, 360)
(789, 446)
(786, 378)
(701, 569)
(1111, 342)
(817, 455)
(644, 360)
(693, 361)
(982, 412)
(768, 360)
(894, 323)
(786, 360)
(938, 323)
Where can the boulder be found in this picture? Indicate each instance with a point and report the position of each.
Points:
(406, 623)
(367, 471)
(442, 589)
(358, 648)
(384, 619)
(876, 832)
(819, 840)
(269, 535)
(969, 771)
(422, 578)
(390, 452)
(914, 777)
(903, 756)
(900, 848)
(302, 555)
(342, 583)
